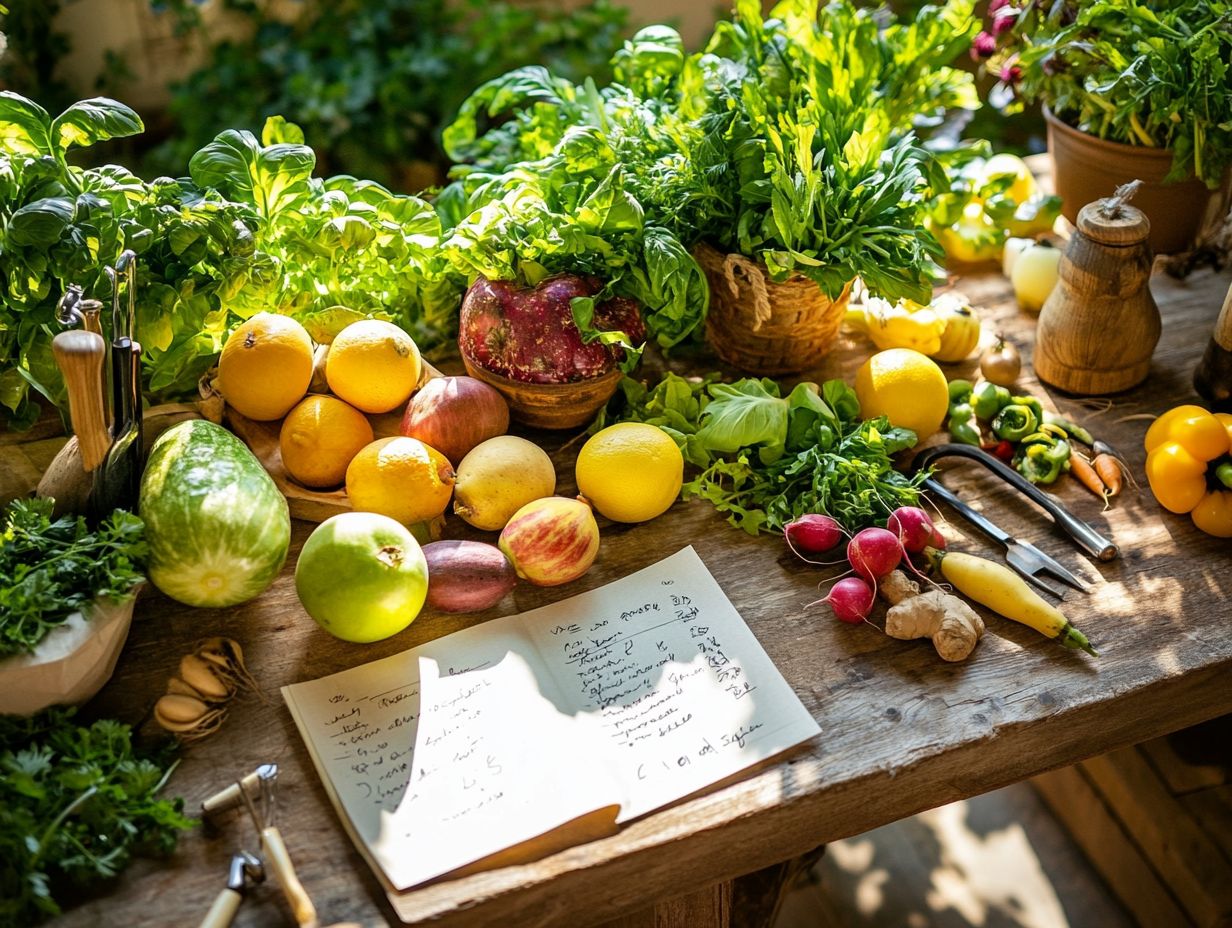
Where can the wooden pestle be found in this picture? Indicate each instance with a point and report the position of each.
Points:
(79, 355)
(1100, 324)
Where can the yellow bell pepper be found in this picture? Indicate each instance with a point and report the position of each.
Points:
(947, 329)
(1189, 466)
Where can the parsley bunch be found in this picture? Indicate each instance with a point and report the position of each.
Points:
(76, 803)
(50, 568)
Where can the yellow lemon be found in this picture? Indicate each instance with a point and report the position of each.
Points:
(401, 478)
(265, 366)
(319, 438)
(1023, 186)
(373, 365)
(630, 472)
(906, 387)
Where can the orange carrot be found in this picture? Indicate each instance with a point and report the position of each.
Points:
(1081, 468)
(1109, 470)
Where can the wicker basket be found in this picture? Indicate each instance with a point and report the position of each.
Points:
(762, 327)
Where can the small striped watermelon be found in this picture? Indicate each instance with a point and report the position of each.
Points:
(217, 527)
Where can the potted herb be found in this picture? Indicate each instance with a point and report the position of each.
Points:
(782, 156)
(1132, 89)
(817, 178)
(567, 279)
(66, 602)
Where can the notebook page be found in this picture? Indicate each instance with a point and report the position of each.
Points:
(663, 667)
(496, 765)
(361, 727)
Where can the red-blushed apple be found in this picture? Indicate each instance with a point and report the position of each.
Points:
(551, 541)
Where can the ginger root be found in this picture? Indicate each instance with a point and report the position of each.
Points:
(953, 626)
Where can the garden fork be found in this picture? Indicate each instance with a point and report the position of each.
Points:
(1029, 561)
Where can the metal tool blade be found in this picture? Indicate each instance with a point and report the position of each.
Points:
(1045, 564)
(1026, 569)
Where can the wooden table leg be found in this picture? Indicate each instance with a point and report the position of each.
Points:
(706, 908)
(756, 897)
(750, 901)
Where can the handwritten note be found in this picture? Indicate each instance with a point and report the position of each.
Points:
(623, 699)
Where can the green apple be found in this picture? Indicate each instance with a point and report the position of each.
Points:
(362, 576)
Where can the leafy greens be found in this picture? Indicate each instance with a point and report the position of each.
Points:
(1141, 72)
(51, 568)
(787, 139)
(765, 459)
(76, 803)
(60, 224)
(251, 230)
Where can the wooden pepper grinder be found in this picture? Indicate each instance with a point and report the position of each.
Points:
(1213, 375)
(1098, 328)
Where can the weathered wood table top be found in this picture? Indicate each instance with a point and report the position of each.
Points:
(902, 730)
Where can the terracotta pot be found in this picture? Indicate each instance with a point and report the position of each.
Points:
(1086, 169)
(550, 405)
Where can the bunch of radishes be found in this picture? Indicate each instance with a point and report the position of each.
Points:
(872, 553)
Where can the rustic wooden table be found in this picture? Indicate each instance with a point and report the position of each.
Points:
(902, 731)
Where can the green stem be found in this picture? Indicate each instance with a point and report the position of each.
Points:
(58, 821)
(1140, 132)
(1070, 637)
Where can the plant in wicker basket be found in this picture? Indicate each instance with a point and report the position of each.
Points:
(817, 178)
(786, 146)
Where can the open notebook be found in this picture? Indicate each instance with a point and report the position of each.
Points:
(526, 734)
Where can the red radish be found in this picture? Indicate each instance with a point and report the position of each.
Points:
(874, 552)
(812, 534)
(851, 599)
(914, 529)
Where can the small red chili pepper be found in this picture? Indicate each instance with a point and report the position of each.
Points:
(1004, 450)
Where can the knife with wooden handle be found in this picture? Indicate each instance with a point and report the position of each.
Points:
(79, 354)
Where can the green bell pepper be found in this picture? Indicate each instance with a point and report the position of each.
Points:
(960, 390)
(962, 425)
(1031, 403)
(1042, 462)
(1015, 422)
(988, 399)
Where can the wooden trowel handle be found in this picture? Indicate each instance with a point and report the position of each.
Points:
(222, 912)
(80, 355)
(279, 860)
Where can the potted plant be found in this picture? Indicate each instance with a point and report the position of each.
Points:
(1132, 89)
(566, 280)
(782, 156)
(66, 602)
(812, 176)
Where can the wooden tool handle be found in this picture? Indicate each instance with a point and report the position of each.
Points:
(230, 796)
(79, 355)
(222, 912)
(280, 862)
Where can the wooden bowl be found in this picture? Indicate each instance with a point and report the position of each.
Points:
(550, 405)
(71, 664)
